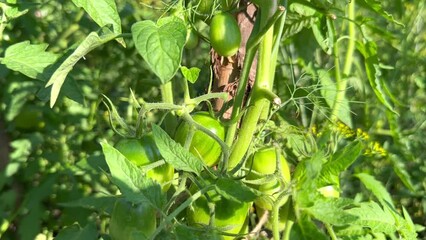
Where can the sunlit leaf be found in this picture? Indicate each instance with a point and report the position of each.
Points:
(161, 45)
(174, 153)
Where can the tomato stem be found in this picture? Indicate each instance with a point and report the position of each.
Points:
(249, 123)
(179, 209)
(251, 48)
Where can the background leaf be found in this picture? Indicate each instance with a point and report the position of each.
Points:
(103, 12)
(28, 59)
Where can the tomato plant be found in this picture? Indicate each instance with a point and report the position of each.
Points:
(144, 151)
(325, 81)
(203, 145)
(131, 221)
(230, 216)
(225, 35)
(263, 162)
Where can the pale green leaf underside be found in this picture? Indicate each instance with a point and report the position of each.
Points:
(92, 41)
(103, 12)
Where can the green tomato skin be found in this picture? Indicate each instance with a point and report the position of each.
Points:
(128, 220)
(202, 145)
(203, 9)
(144, 151)
(264, 162)
(230, 216)
(329, 191)
(225, 35)
(191, 39)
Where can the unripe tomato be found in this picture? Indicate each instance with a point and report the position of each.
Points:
(131, 220)
(230, 216)
(202, 9)
(329, 191)
(225, 35)
(202, 145)
(144, 151)
(264, 162)
(191, 39)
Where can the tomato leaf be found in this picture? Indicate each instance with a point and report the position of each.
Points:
(131, 181)
(377, 188)
(339, 162)
(161, 45)
(30, 60)
(103, 12)
(190, 74)
(174, 153)
(371, 215)
(75, 232)
(94, 40)
(332, 211)
(235, 190)
(306, 229)
(374, 74)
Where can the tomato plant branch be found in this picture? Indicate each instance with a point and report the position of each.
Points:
(249, 123)
(225, 149)
(351, 44)
(179, 209)
(340, 83)
(252, 46)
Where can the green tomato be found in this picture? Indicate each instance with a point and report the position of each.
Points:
(230, 216)
(202, 9)
(225, 35)
(131, 221)
(202, 145)
(329, 191)
(29, 119)
(264, 162)
(191, 39)
(144, 151)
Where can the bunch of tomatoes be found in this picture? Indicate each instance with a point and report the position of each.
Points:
(231, 216)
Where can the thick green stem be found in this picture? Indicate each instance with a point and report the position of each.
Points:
(249, 123)
(351, 44)
(340, 84)
(251, 48)
(167, 95)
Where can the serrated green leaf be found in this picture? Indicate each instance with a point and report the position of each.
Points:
(28, 59)
(339, 162)
(190, 74)
(175, 154)
(377, 188)
(161, 45)
(295, 23)
(99, 203)
(376, 6)
(400, 170)
(329, 91)
(14, 11)
(305, 229)
(332, 211)
(235, 190)
(132, 182)
(321, 31)
(374, 74)
(371, 215)
(75, 232)
(92, 41)
(103, 12)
